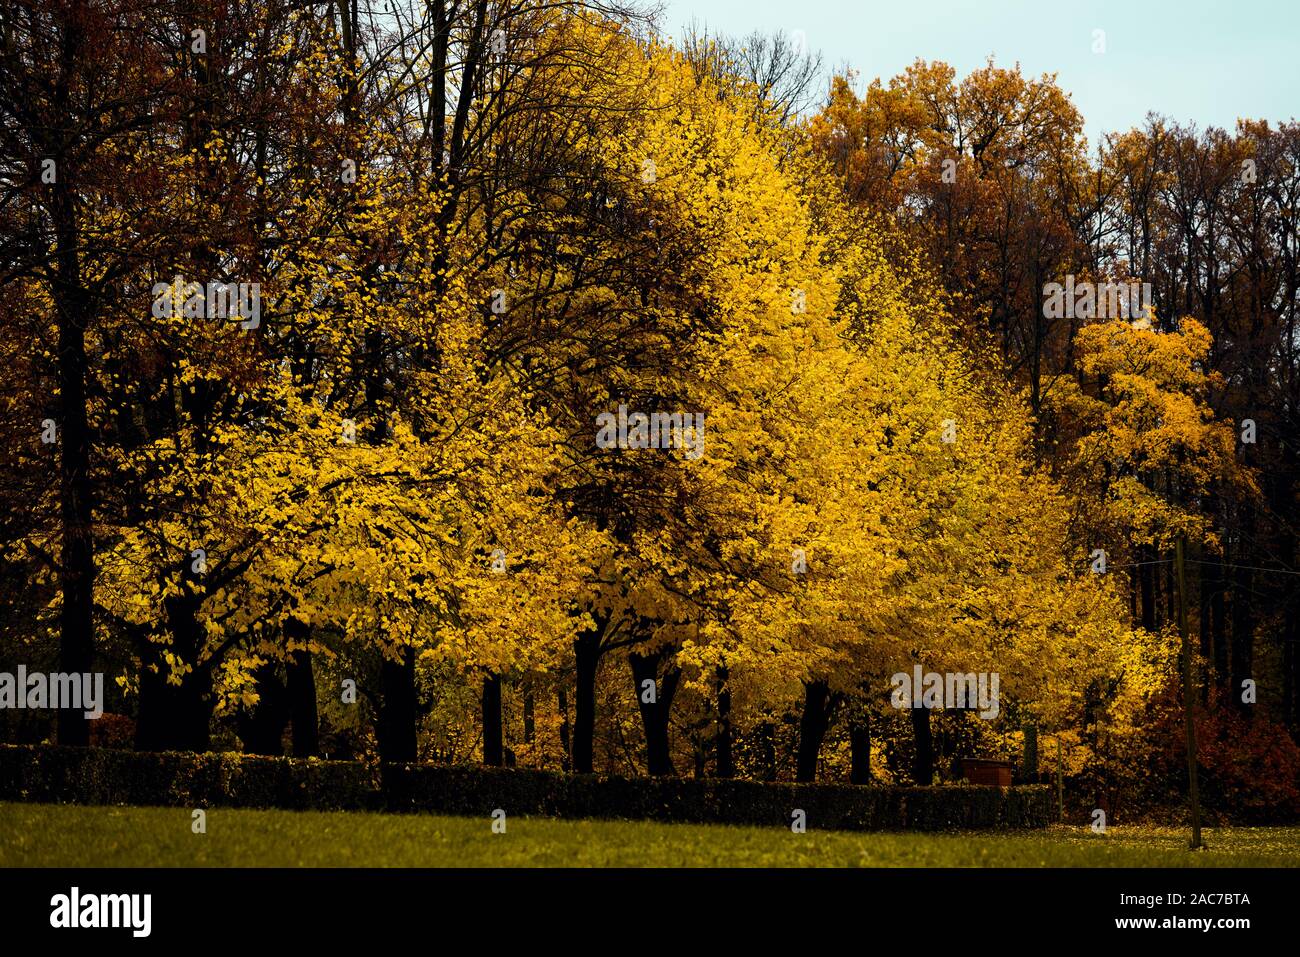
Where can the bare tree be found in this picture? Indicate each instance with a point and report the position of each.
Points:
(776, 70)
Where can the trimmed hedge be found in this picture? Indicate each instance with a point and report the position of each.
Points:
(100, 776)
(180, 779)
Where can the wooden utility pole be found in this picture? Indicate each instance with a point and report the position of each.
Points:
(1189, 700)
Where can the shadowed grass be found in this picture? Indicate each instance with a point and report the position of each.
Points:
(76, 836)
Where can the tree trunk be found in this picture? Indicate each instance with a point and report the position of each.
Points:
(566, 753)
(860, 748)
(1212, 646)
(767, 751)
(76, 501)
(655, 713)
(812, 729)
(586, 650)
(1243, 620)
(1147, 583)
(1218, 622)
(261, 728)
(398, 717)
(493, 744)
(1291, 672)
(923, 760)
(175, 717)
(169, 717)
(1205, 606)
(726, 767)
(1289, 603)
(156, 719)
(302, 703)
(1029, 767)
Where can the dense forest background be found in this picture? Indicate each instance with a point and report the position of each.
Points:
(372, 519)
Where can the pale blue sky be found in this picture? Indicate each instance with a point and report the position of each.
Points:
(1204, 60)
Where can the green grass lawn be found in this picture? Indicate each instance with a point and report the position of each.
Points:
(73, 836)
